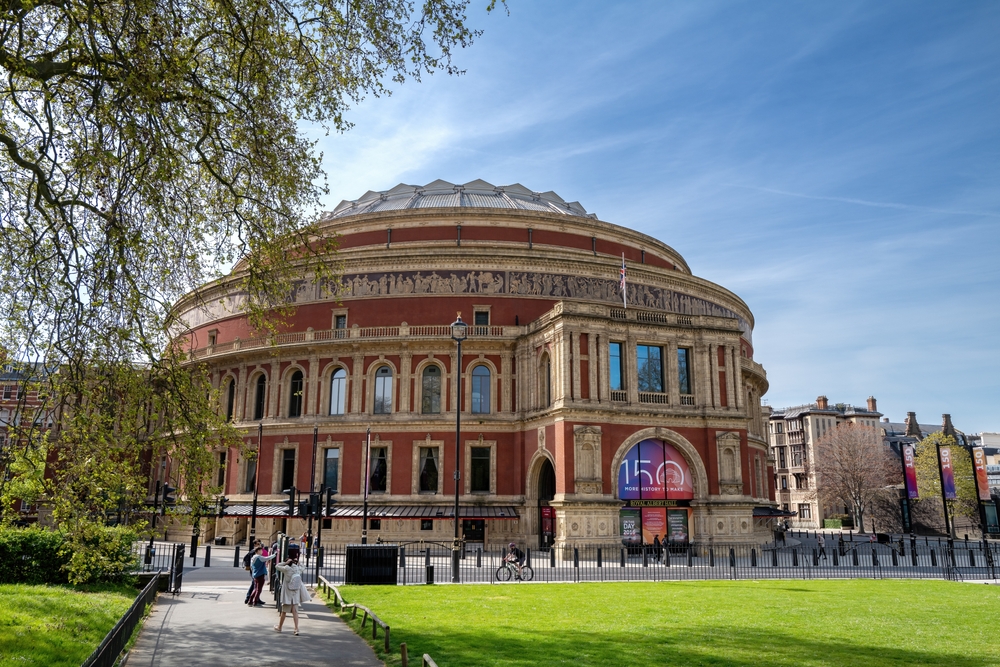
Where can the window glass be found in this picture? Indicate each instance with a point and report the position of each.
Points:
(615, 366)
(222, 471)
(479, 479)
(295, 395)
(251, 476)
(338, 392)
(482, 318)
(230, 399)
(260, 397)
(683, 377)
(481, 390)
(287, 469)
(331, 468)
(429, 469)
(649, 360)
(340, 322)
(378, 468)
(426, 524)
(430, 391)
(383, 390)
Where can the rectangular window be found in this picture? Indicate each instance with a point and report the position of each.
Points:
(287, 469)
(781, 458)
(331, 468)
(428, 469)
(784, 506)
(481, 318)
(327, 524)
(479, 478)
(784, 482)
(221, 482)
(340, 322)
(375, 524)
(615, 366)
(778, 428)
(805, 511)
(378, 469)
(649, 362)
(683, 377)
(251, 476)
(796, 455)
(426, 524)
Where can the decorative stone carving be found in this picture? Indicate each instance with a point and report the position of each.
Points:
(541, 437)
(587, 458)
(730, 470)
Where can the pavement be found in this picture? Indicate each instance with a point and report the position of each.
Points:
(207, 623)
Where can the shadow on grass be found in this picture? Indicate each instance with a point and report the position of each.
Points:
(707, 645)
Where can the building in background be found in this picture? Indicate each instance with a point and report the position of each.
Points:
(793, 434)
(584, 419)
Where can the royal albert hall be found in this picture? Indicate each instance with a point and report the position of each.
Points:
(585, 417)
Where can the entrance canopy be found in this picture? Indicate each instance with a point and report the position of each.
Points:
(387, 511)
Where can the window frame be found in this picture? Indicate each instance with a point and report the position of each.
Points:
(296, 396)
(260, 397)
(340, 473)
(467, 466)
(371, 469)
(433, 454)
(686, 374)
(478, 380)
(342, 393)
(620, 366)
(640, 372)
(423, 387)
(379, 391)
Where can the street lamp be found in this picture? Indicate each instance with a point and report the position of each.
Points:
(256, 479)
(459, 331)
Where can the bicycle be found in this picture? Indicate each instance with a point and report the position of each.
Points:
(508, 569)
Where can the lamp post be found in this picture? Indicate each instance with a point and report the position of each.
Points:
(364, 512)
(256, 484)
(312, 484)
(459, 331)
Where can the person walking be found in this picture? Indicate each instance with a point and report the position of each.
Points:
(258, 568)
(657, 548)
(822, 545)
(293, 590)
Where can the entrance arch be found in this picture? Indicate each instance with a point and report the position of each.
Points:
(540, 489)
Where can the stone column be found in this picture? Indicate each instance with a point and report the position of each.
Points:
(593, 360)
(405, 379)
(670, 368)
(357, 371)
(506, 357)
(241, 393)
(272, 408)
(312, 405)
(631, 369)
(574, 344)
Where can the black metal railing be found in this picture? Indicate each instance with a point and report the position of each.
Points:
(106, 655)
(420, 563)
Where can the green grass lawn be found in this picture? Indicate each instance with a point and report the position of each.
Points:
(791, 622)
(57, 625)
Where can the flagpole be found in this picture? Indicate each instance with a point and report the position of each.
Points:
(623, 288)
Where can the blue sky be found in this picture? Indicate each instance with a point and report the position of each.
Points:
(837, 165)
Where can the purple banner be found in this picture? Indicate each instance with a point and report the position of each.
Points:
(982, 482)
(910, 479)
(947, 473)
(654, 470)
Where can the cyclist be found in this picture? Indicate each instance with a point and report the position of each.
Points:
(516, 556)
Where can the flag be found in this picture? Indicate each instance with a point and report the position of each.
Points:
(621, 283)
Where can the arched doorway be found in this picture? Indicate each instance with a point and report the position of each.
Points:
(546, 514)
(656, 486)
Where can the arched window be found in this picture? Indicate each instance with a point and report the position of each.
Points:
(481, 390)
(295, 395)
(338, 392)
(430, 391)
(230, 400)
(383, 390)
(260, 397)
(545, 381)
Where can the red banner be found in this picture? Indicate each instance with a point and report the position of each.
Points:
(979, 463)
(947, 472)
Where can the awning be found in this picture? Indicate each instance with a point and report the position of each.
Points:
(443, 512)
(771, 512)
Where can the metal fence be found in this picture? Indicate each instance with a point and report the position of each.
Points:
(106, 655)
(162, 557)
(848, 560)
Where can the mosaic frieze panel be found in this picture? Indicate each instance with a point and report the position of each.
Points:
(527, 283)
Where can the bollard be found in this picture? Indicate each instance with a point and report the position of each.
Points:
(711, 557)
(479, 562)
(895, 560)
(815, 558)
(795, 557)
(552, 556)
(322, 551)
(753, 558)
(933, 559)
(666, 557)
(836, 558)
(774, 558)
(404, 657)
(527, 556)
(598, 556)
(854, 557)
(430, 574)
(236, 557)
(208, 555)
(623, 557)
(690, 557)
(874, 558)
(645, 556)
(972, 558)
(576, 557)
(732, 557)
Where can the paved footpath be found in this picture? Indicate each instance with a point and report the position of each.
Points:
(208, 624)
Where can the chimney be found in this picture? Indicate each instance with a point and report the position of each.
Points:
(822, 403)
(872, 405)
(946, 426)
(912, 427)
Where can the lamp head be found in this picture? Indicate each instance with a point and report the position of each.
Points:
(459, 329)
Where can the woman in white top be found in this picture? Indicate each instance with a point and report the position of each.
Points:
(293, 590)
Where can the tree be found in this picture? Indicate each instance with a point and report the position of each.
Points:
(853, 467)
(929, 480)
(147, 146)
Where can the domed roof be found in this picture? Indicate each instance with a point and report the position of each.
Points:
(478, 194)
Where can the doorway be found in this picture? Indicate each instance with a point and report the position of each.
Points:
(546, 514)
(474, 530)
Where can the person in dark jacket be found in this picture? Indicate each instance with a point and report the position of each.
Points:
(258, 568)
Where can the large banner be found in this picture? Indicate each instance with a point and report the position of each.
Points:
(654, 470)
(910, 480)
(678, 524)
(654, 524)
(630, 527)
(982, 482)
(947, 473)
